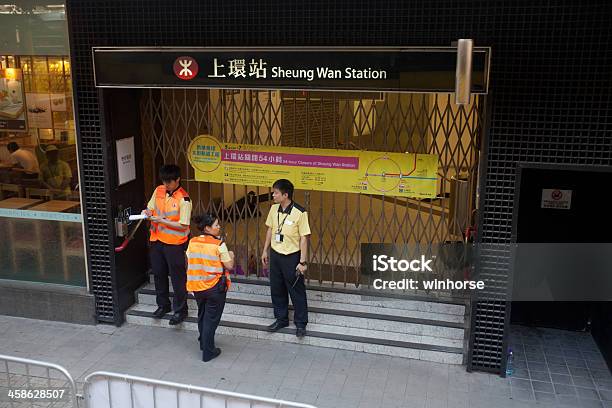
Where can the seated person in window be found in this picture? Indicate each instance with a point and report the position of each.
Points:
(56, 174)
(23, 160)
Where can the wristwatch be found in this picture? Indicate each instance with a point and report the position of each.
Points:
(304, 263)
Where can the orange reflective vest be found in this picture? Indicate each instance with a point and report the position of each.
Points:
(204, 266)
(169, 209)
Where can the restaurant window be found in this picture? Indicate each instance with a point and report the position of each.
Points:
(40, 208)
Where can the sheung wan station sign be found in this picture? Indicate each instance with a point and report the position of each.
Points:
(346, 69)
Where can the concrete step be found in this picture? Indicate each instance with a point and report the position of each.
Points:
(324, 335)
(259, 306)
(357, 308)
(358, 297)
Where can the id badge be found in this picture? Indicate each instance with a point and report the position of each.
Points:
(278, 237)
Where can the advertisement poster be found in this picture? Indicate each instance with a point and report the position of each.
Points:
(12, 97)
(352, 171)
(39, 110)
(58, 102)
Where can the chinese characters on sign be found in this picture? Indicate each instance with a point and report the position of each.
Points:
(396, 69)
(393, 174)
(237, 68)
(126, 166)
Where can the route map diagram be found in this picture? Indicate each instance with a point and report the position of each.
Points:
(384, 174)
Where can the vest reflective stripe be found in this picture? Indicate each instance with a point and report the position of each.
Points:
(168, 208)
(172, 231)
(204, 266)
(201, 278)
(195, 255)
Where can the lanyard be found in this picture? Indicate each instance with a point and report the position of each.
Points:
(280, 225)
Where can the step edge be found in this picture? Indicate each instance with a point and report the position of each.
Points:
(330, 336)
(435, 303)
(337, 312)
(459, 302)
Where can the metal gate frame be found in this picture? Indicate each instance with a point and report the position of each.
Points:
(30, 366)
(425, 123)
(181, 390)
(84, 400)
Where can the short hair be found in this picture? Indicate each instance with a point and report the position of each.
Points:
(284, 186)
(12, 146)
(169, 172)
(204, 220)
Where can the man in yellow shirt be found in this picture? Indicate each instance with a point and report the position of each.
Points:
(169, 211)
(55, 174)
(287, 235)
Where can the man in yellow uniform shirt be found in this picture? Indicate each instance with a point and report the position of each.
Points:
(287, 234)
(169, 211)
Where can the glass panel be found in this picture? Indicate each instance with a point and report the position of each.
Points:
(39, 204)
(28, 253)
(34, 28)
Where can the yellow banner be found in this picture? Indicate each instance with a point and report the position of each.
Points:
(352, 171)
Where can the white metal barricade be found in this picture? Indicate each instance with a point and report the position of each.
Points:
(110, 390)
(29, 383)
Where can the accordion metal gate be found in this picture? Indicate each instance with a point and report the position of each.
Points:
(340, 222)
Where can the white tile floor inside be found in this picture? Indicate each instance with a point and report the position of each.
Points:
(320, 376)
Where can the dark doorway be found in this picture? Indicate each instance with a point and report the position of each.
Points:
(585, 221)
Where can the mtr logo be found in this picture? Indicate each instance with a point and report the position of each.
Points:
(185, 68)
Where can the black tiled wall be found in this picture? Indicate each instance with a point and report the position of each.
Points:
(550, 82)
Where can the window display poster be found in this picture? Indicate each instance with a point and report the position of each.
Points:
(12, 107)
(58, 102)
(39, 110)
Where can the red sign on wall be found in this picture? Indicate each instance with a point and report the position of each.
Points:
(185, 68)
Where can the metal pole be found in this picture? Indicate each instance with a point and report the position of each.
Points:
(463, 73)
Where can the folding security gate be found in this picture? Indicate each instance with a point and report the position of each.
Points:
(340, 222)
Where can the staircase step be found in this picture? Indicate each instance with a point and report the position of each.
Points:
(342, 318)
(372, 341)
(354, 297)
(384, 313)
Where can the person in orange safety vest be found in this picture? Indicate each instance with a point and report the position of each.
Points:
(169, 211)
(208, 262)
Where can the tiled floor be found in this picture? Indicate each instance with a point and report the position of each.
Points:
(553, 368)
(559, 368)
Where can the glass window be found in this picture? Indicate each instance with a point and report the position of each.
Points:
(40, 207)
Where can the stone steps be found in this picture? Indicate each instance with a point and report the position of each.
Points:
(321, 313)
(338, 318)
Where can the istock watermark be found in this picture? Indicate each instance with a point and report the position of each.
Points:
(561, 272)
(429, 269)
(383, 263)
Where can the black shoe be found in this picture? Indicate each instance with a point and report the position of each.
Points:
(215, 355)
(300, 332)
(177, 318)
(276, 326)
(161, 311)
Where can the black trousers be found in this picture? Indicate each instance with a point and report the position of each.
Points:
(210, 308)
(170, 260)
(282, 277)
